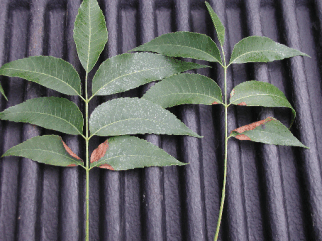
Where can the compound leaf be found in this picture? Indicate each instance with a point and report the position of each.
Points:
(261, 49)
(48, 149)
(51, 72)
(184, 44)
(90, 33)
(129, 152)
(185, 89)
(269, 131)
(2, 92)
(256, 93)
(127, 71)
(53, 113)
(220, 29)
(126, 116)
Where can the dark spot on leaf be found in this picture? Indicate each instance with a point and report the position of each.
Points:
(106, 166)
(263, 126)
(99, 152)
(242, 104)
(70, 152)
(250, 127)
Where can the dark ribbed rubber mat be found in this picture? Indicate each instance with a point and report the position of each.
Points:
(273, 193)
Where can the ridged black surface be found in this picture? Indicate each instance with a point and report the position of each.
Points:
(273, 193)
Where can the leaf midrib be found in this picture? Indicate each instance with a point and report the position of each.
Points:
(106, 159)
(252, 52)
(28, 112)
(188, 48)
(31, 149)
(144, 70)
(237, 100)
(105, 126)
(220, 101)
(40, 73)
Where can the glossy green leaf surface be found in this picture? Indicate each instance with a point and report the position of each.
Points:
(256, 93)
(45, 149)
(220, 29)
(51, 72)
(268, 131)
(90, 33)
(53, 113)
(2, 92)
(261, 49)
(185, 89)
(129, 152)
(184, 44)
(126, 116)
(127, 71)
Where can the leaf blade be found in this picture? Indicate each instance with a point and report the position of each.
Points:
(184, 89)
(220, 29)
(184, 44)
(261, 49)
(45, 149)
(127, 71)
(48, 71)
(90, 33)
(257, 93)
(53, 113)
(129, 152)
(2, 92)
(135, 116)
(268, 131)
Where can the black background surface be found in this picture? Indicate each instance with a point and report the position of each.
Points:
(273, 193)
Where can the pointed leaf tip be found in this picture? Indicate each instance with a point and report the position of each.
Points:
(220, 29)
(261, 49)
(90, 33)
(268, 131)
(2, 92)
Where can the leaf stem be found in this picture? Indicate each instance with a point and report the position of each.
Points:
(223, 193)
(87, 159)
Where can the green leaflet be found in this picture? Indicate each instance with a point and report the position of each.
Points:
(185, 89)
(53, 113)
(126, 116)
(129, 152)
(220, 29)
(45, 149)
(268, 131)
(127, 71)
(261, 49)
(2, 92)
(184, 44)
(51, 72)
(256, 93)
(90, 33)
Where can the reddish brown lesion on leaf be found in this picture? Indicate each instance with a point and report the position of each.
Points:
(70, 152)
(232, 93)
(106, 166)
(72, 165)
(215, 103)
(242, 104)
(250, 127)
(99, 152)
